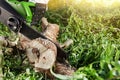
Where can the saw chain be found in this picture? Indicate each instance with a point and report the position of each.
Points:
(15, 22)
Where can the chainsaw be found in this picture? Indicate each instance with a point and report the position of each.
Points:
(19, 16)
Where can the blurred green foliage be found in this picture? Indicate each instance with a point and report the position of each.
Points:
(96, 35)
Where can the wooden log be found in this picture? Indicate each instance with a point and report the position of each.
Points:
(50, 30)
(40, 52)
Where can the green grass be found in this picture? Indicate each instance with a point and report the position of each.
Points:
(96, 49)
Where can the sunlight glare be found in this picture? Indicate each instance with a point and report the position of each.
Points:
(103, 2)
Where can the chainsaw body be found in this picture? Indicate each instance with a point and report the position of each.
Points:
(24, 8)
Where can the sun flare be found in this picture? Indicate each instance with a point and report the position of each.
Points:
(55, 4)
(103, 2)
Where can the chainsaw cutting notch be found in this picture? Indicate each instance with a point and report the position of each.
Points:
(13, 23)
